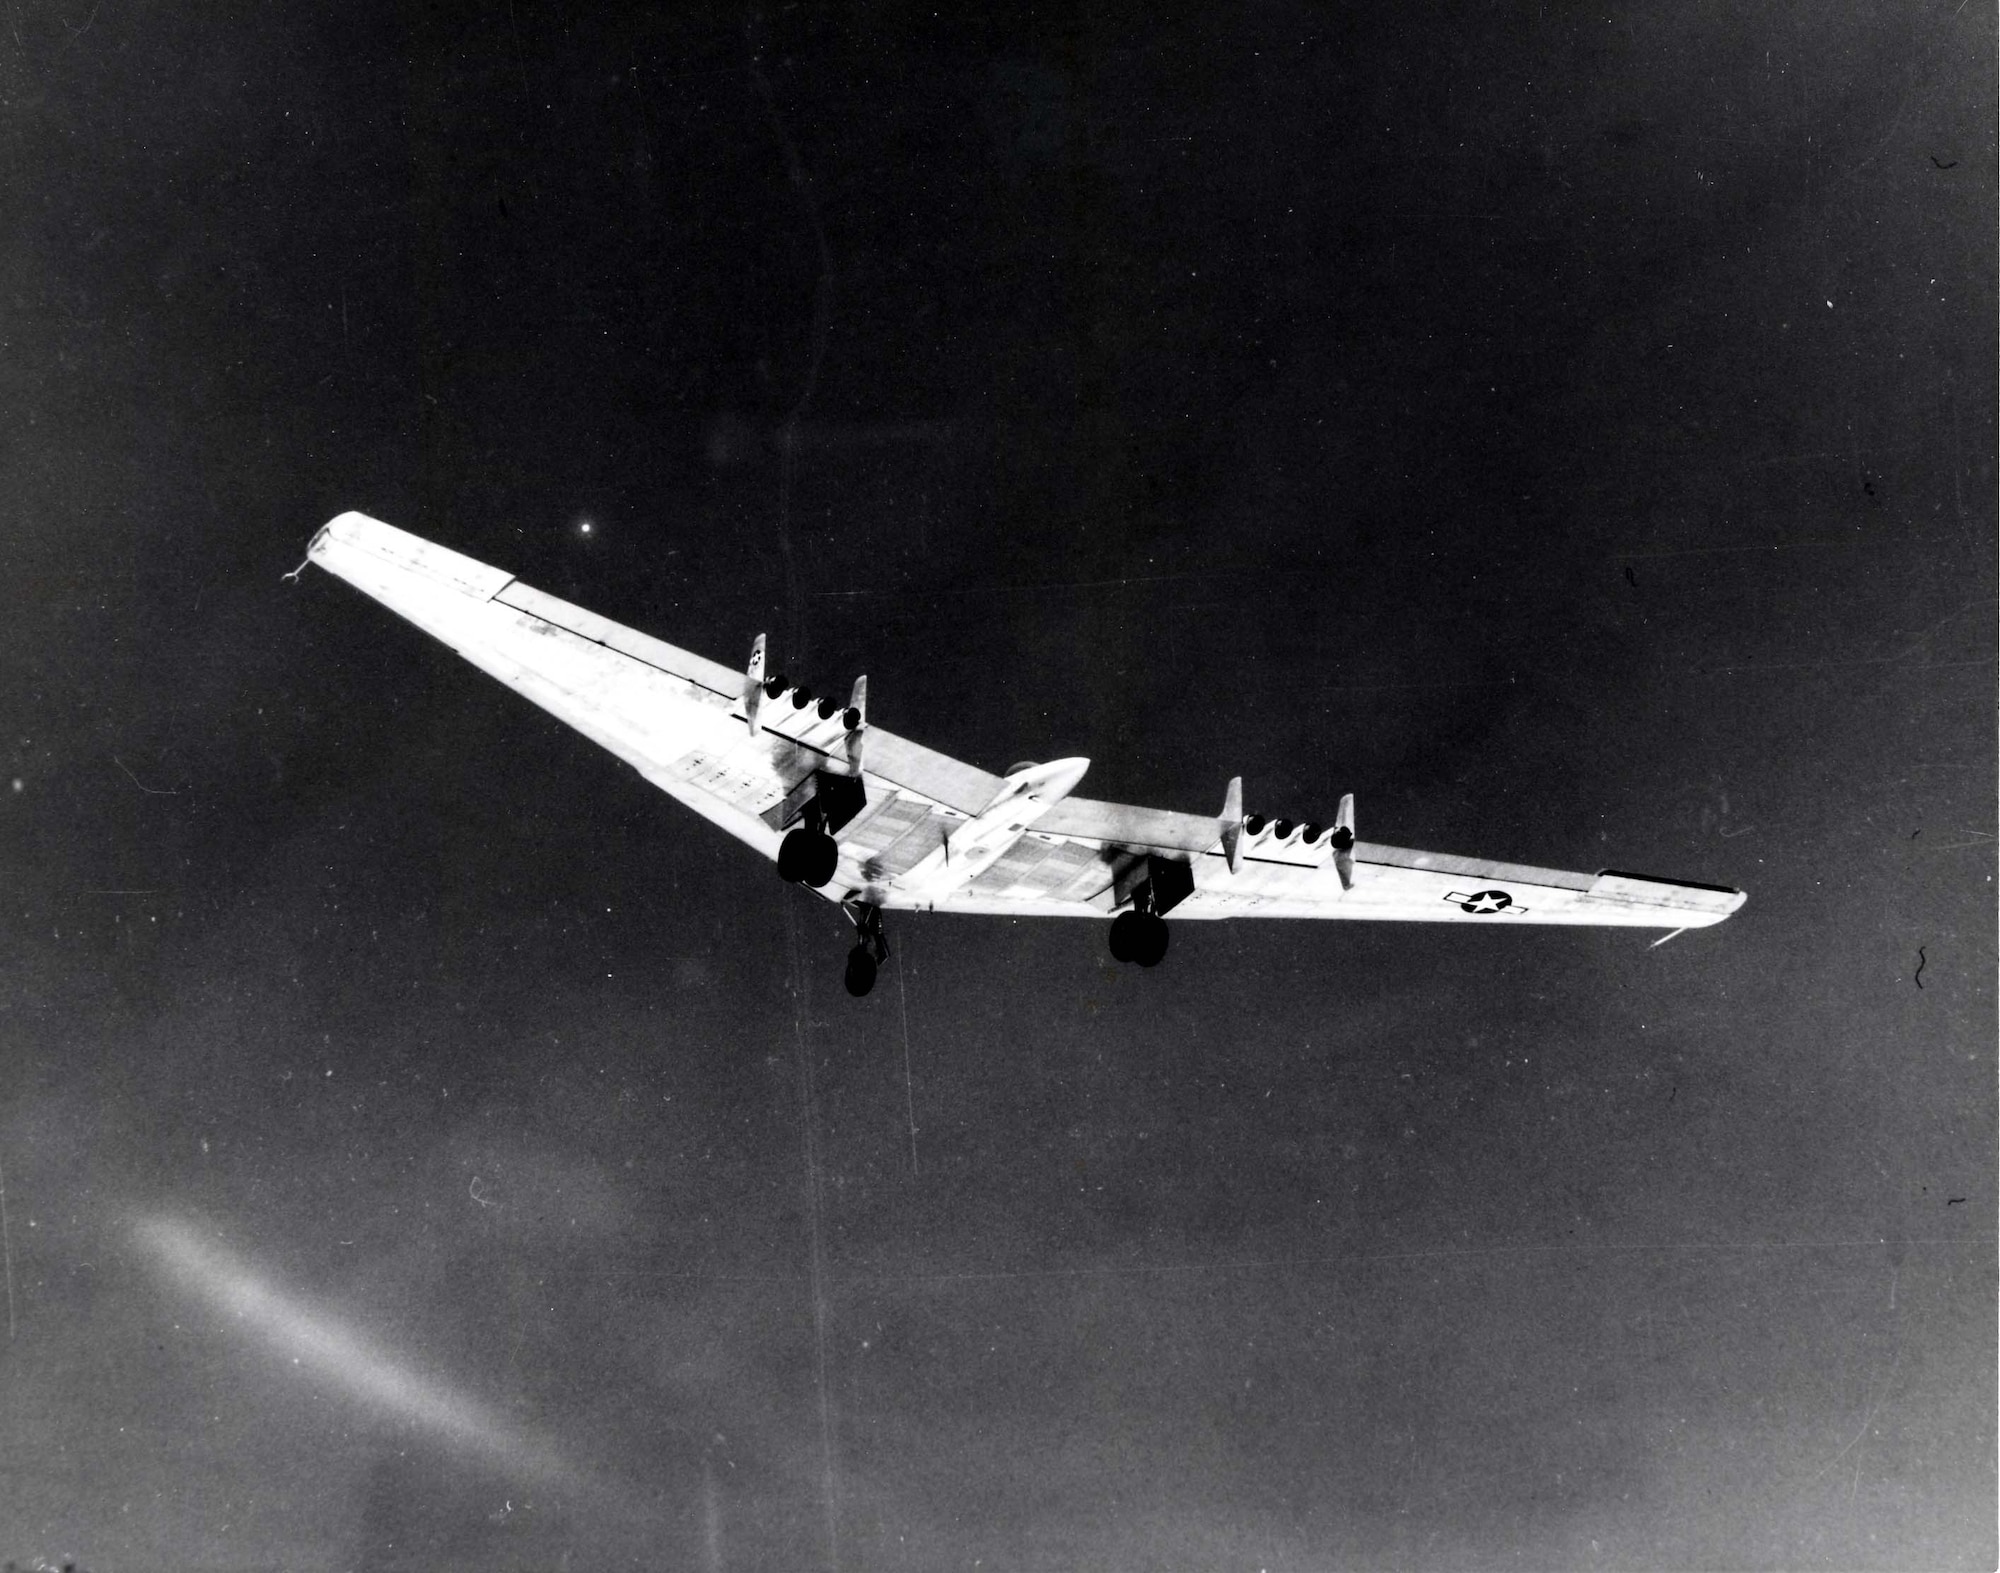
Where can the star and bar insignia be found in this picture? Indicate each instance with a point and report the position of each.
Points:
(1484, 903)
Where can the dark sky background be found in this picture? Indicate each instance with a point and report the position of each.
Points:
(1570, 429)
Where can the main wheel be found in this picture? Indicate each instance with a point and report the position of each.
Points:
(860, 971)
(1149, 947)
(808, 857)
(1124, 931)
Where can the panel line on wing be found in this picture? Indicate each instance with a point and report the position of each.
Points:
(543, 607)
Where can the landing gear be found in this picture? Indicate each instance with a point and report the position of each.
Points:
(1140, 937)
(871, 947)
(808, 856)
(1146, 890)
(823, 804)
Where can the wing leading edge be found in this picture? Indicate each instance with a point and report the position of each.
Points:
(918, 829)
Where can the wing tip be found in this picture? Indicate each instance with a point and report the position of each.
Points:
(1681, 897)
(1660, 879)
(354, 542)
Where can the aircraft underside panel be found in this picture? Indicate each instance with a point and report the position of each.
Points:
(897, 839)
(1037, 868)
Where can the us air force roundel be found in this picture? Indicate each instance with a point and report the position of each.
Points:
(1484, 903)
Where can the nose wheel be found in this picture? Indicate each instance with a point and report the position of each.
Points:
(871, 947)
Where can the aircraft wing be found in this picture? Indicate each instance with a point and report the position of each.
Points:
(1285, 876)
(675, 717)
(924, 830)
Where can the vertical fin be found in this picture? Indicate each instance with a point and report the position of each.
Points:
(1232, 824)
(753, 685)
(856, 722)
(1342, 841)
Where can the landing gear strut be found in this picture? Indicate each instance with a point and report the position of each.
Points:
(871, 947)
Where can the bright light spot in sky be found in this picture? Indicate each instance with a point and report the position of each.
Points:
(585, 527)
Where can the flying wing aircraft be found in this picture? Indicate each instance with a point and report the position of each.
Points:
(875, 822)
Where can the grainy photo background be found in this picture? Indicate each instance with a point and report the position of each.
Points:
(423, 1145)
